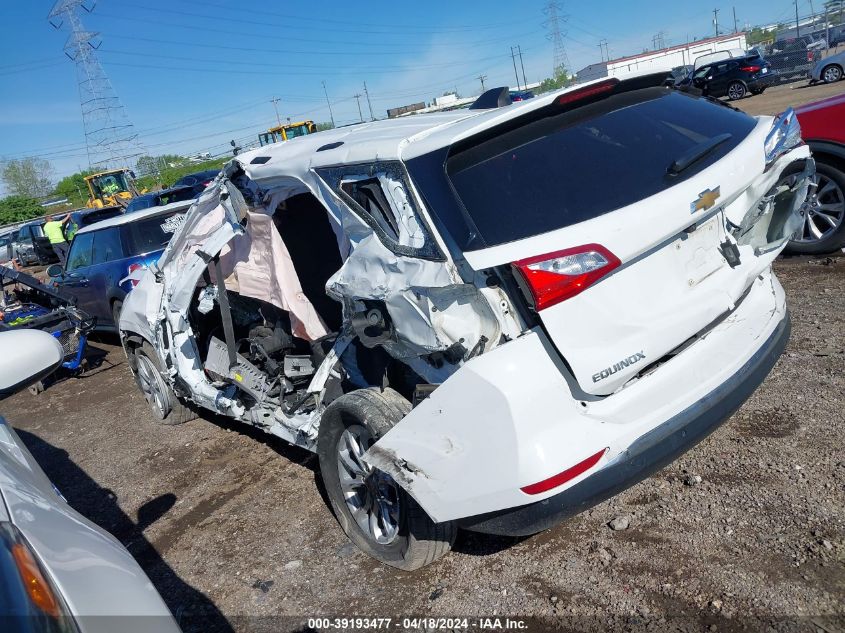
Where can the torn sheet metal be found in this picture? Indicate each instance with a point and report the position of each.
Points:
(771, 223)
(396, 260)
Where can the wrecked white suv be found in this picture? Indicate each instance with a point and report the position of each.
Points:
(489, 319)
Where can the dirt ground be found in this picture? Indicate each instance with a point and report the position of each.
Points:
(232, 528)
(778, 98)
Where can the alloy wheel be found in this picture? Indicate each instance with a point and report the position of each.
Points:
(736, 91)
(370, 494)
(151, 386)
(832, 74)
(823, 211)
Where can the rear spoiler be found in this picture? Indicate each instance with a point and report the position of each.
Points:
(15, 276)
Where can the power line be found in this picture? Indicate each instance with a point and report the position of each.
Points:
(292, 69)
(288, 17)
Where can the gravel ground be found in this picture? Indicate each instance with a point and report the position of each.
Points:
(230, 523)
(778, 98)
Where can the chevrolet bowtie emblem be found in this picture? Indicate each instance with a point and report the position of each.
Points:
(706, 199)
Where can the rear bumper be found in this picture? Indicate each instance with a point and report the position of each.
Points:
(761, 81)
(648, 454)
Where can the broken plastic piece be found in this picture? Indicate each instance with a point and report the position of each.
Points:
(207, 297)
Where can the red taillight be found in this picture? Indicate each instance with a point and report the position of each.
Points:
(586, 92)
(809, 56)
(566, 475)
(132, 269)
(561, 275)
(750, 69)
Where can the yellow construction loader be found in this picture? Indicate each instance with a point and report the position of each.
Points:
(286, 132)
(113, 188)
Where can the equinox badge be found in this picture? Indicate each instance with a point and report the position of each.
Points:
(706, 199)
(622, 364)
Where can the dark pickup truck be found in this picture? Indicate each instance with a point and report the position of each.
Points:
(793, 59)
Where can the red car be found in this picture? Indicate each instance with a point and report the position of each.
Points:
(823, 128)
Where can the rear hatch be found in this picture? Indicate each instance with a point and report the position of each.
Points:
(625, 194)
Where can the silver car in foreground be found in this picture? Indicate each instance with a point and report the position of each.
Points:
(58, 571)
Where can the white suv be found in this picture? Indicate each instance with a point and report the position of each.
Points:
(488, 319)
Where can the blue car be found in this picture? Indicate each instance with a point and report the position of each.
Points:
(85, 217)
(164, 197)
(102, 256)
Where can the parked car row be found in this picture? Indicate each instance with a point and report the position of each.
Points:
(28, 245)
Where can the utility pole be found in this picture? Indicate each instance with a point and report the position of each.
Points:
(524, 80)
(481, 78)
(734, 9)
(797, 24)
(516, 74)
(604, 50)
(275, 101)
(372, 118)
(329, 103)
(716, 21)
(358, 99)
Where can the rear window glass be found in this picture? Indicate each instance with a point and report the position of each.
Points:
(152, 234)
(575, 166)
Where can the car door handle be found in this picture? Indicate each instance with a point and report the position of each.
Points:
(75, 280)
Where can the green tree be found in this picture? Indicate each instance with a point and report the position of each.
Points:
(757, 35)
(28, 177)
(18, 209)
(560, 79)
(325, 125)
(74, 188)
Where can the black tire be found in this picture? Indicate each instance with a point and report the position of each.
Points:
(736, 90)
(836, 238)
(116, 307)
(164, 404)
(419, 540)
(831, 73)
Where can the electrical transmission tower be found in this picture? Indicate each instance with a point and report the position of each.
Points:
(110, 139)
(556, 25)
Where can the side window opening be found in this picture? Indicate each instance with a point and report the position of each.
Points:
(370, 196)
(379, 194)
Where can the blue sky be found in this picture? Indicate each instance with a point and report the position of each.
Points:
(193, 74)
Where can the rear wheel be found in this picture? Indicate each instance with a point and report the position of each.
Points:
(163, 403)
(831, 74)
(376, 513)
(823, 228)
(736, 90)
